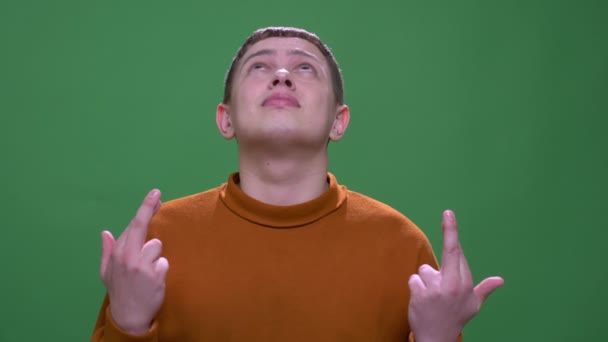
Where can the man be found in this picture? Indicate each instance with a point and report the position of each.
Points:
(282, 252)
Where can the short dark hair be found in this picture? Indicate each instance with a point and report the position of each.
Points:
(287, 32)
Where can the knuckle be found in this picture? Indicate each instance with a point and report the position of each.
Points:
(413, 278)
(427, 269)
(133, 268)
(154, 246)
(428, 295)
(156, 243)
(453, 290)
(124, 260)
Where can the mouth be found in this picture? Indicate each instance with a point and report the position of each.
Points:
(281, 100)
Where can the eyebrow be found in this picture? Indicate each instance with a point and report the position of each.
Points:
(274, 52)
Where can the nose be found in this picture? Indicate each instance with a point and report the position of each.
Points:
(281, 76)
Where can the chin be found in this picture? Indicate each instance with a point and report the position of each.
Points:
(282, 138)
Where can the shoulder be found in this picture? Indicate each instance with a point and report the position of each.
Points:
(381, 216)
(196, 201)
(188, 208)
(385, 226)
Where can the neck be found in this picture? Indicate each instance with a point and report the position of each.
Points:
(284, 180)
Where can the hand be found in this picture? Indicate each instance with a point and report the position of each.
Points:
(442, 302)
(133, 270)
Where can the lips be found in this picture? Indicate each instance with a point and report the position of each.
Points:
(281, 100)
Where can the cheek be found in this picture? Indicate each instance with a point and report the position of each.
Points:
(324, 102)
(248, 93)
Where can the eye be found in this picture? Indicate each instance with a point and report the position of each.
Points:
(306, 67)
(258, 66)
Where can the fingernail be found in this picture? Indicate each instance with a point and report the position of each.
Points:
(154, 193)
(449, 215)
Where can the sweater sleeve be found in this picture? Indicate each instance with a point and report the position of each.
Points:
(106, 330)
(412, 339)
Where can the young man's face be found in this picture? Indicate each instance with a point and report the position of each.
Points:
(282, 92)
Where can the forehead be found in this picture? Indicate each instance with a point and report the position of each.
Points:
(282, 45)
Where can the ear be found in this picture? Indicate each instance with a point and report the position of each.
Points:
(223, 121)
(340, 123)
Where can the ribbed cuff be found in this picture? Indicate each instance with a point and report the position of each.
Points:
(113, 333)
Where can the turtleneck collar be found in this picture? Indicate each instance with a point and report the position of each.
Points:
(276, 216)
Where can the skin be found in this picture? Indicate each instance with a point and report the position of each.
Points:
(282, 113)
(133, 270)
(443, 301)
(283, 149)
(282, 152)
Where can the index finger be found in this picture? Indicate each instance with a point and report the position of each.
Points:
(138, 228)
(450, 257)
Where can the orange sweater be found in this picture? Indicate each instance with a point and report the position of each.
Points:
(332, 269)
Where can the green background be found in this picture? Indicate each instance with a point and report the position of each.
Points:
(496, 109)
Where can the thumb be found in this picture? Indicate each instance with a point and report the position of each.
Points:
(107, 242)
(487, 286)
